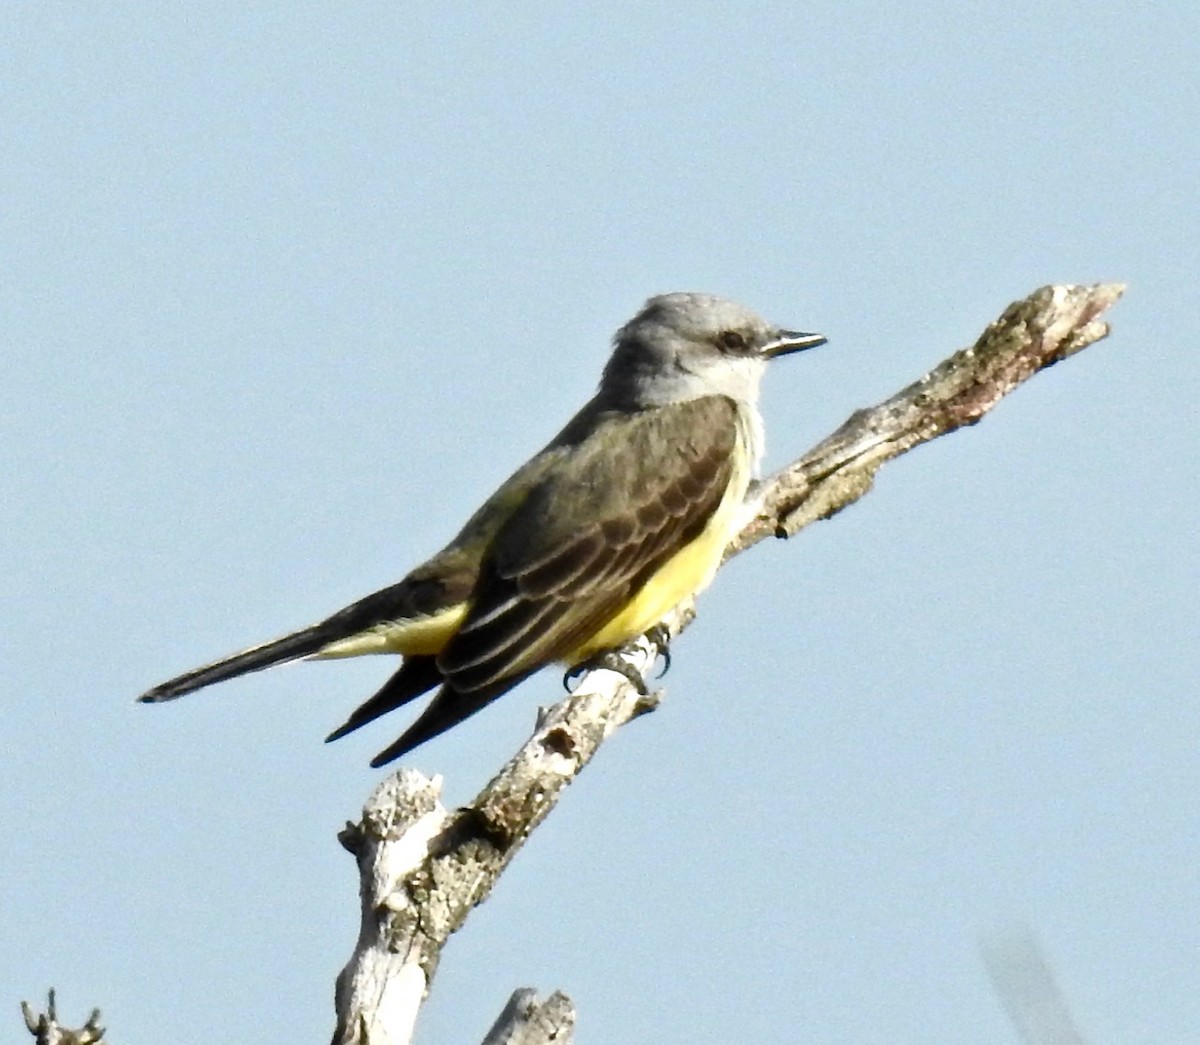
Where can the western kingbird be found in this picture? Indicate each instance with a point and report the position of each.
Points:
(624, 514)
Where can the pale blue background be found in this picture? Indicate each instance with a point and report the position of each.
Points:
(288, 287)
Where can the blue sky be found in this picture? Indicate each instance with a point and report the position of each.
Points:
(288, 288)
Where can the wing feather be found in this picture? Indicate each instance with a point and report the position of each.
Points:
(590, 535)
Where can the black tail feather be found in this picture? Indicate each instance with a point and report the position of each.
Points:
(415, 596)
(290, 647)
(415, 676)
(447, 709)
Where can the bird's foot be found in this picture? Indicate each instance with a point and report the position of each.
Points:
(612, 661)
(659, 636)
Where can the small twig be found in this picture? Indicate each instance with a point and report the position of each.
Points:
(44, 1026)
(527, 1021)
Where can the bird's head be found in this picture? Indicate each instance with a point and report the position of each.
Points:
(683, 346)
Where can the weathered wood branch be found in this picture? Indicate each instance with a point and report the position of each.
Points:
(1032, 334)
(527, 1021)
(423, 869)
(45, 1028)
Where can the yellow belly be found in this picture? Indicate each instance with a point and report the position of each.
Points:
(688, 572)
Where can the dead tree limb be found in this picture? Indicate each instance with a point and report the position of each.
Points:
(527, 1021)
(423, 868)
(45, 1028)
(1032, 334)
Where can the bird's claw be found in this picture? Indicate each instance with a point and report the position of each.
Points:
(659, 636)
(612, 661)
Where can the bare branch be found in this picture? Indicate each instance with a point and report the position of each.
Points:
(417, 891)
(381, 988)
(44, 1026)
(527, 1021)
(412, 903)
(1032, 334)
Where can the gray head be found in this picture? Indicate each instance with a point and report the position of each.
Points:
(684, 346)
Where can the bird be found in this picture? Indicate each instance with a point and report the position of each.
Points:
(589, 544)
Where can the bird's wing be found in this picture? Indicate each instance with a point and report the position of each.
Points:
(589, 535)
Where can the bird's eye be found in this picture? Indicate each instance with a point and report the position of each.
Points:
(732, 341)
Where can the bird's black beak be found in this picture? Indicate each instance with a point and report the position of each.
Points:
(787, 341)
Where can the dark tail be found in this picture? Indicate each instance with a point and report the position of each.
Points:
(415, 676)
(280, 651)
(447, 709)
(394, 603)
